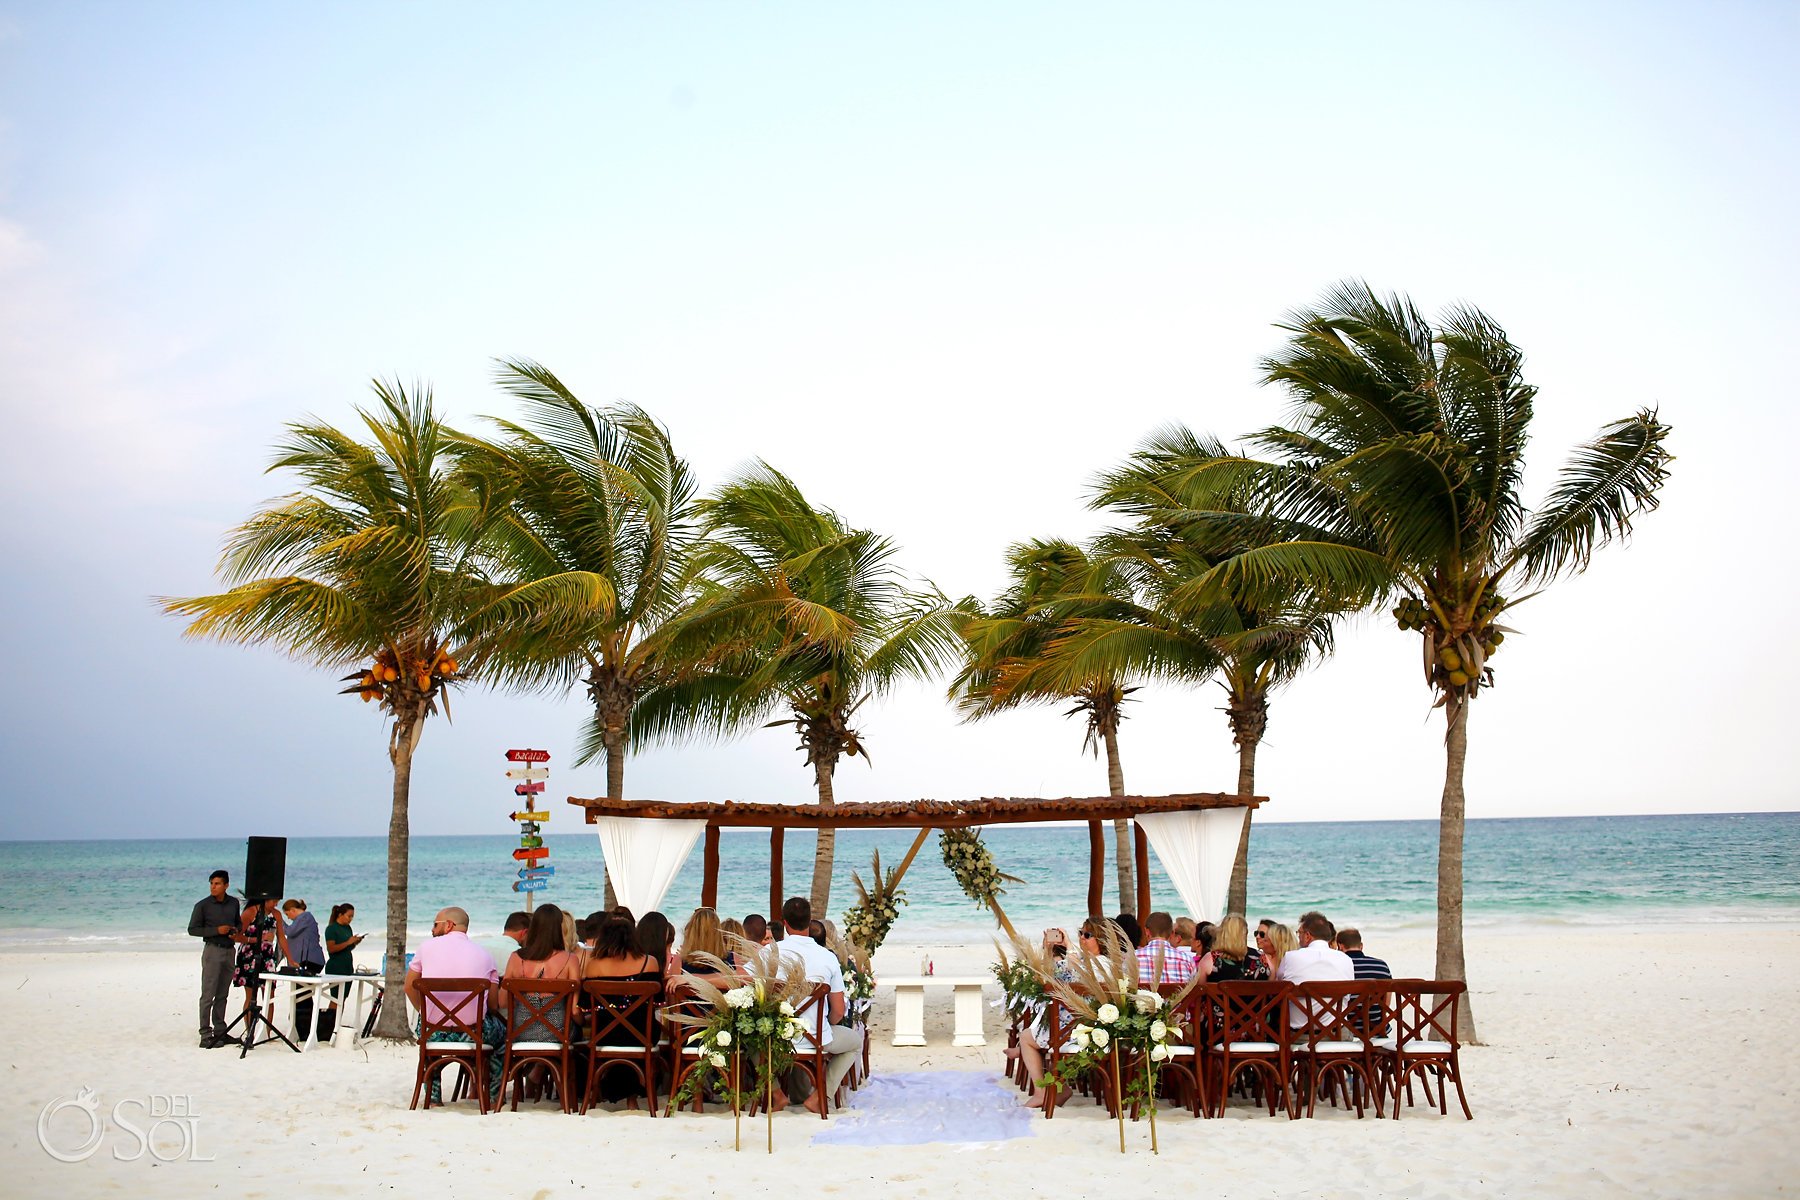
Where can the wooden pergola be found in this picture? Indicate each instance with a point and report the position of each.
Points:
(923, 815)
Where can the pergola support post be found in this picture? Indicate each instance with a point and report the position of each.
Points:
(776, 836)
(1141, 842)
(1096, 869)
(709, 878)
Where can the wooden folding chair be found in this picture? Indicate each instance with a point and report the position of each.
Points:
(684, 1056)
(1189, 1027)
(1335, 1050)
(1251, 1036)
(549, 1006)
(814, 1015)
(623, 1033)
(1059, 1029)
(452, 1009)
(1423, 1043)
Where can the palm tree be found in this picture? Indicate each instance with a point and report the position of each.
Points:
(1007, 647)
(375, 561)
(596, 491)
(793, 608)
(1259, 644)
(1401, 473)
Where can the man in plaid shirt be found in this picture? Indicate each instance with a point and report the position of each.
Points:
(1176, 962)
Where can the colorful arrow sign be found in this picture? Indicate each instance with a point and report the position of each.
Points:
(530, 827)
(531, 885)
(530, 816)
(536, 871)
(527, 789)
(528, 755)
(534, 853)
(528, 773)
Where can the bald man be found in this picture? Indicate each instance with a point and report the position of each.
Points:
(451, 955)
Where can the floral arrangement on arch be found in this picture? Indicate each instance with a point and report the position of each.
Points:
(968, 859)
(1123, 1030)
(750, 1024)
(867, 922)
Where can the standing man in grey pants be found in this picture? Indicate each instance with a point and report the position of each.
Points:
(215, 919)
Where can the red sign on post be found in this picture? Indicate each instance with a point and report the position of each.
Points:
(528, 755)
(528, 789)
(534, 852)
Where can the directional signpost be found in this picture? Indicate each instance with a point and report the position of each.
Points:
(534, 875)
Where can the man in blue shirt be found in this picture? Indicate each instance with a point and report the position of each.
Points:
(1367, 966)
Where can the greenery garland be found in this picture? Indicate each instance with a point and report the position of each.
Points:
(968, 859)
(867, 922)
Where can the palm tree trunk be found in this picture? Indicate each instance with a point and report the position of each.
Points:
(1247, 709)
(404, 742)
(1124, 854)
(1237, 896)
(614, 742)
(1450, 859)
(826, 850)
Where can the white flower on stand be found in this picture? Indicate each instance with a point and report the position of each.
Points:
(1158, 1031)
(787, 1010)
(1101, 1037)
(718, 1060)
(724, 1037)
(1159, 1053)
(1082, 1036)
(1147, 1002)
(1107, 1015)
(740, 997)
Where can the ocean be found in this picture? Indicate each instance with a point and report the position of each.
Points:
(1377, 875)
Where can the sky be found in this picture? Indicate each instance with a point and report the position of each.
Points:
(941, 264)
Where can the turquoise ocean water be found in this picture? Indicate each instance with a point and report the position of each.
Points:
(1379, 875)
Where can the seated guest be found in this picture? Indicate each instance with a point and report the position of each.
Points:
(1159, 960)
(543, 955)
(449, 954)
(1201, 944)
(589, 929)
(1184, 932)
(729, 928)
(1312, 960)
(571, 933)
(842, 1042)
(517, 925)
(616, 957)
(1278, 941)
(656, 937)
(1367, 965)
(1232, 959)
(815, 929)
(756, 928)
(1128, 922)
(1033, 1037)
(1262, 935)
(703, 934)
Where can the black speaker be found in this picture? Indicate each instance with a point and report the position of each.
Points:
(265, 868)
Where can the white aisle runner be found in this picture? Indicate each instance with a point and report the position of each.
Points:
(913, 1108)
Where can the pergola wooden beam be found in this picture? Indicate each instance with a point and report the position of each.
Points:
(923, 815)
(912, 814)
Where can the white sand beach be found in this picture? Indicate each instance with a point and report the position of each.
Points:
(1617, 1064)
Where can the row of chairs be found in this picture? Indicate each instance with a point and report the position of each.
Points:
(611, 1024)
(1365, 1043)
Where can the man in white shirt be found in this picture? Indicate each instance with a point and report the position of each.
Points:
(842, 1043)
(1313, 960)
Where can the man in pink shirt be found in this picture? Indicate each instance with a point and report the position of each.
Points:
(451, 955)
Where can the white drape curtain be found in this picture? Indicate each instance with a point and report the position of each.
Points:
(643, 856)
(1198, 849)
